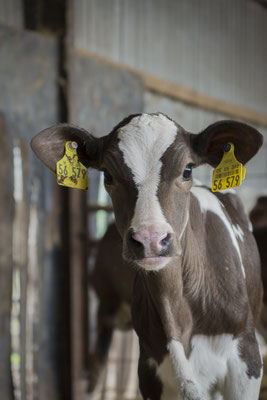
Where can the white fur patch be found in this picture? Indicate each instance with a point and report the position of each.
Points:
(214, 370)
(183, 371)
(177, 375)
(170, 384)
(216, 361)
(185, 224)
(238, 386)
(227, 191)
(143, 142)
(209, 202)
(250, 227)
(209, 358)
(239, 234)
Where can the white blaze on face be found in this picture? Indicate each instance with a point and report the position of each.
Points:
(143, 142)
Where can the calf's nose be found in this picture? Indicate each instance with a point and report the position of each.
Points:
(154, 242)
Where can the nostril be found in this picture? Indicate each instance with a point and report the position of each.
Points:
(137, 243)
(166, 240)
(133, 240)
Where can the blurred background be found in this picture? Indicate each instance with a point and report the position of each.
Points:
(65, 328)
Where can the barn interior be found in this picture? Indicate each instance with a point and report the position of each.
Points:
(92, 63)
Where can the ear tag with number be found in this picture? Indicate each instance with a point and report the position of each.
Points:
(230, 173)
(70, 171)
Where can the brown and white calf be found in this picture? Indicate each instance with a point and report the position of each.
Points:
(197, 291)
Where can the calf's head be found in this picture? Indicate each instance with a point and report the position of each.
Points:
(147, 162)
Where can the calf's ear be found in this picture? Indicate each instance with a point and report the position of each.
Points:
(49, 145)
(209, 144)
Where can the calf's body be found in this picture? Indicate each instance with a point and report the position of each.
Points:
(202, 309)
(197, 292)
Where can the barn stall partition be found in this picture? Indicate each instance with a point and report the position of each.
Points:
(35, 263)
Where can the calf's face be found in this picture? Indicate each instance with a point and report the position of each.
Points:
(147, 162)
(150, 167)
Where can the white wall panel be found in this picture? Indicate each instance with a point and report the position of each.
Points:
(217, 47)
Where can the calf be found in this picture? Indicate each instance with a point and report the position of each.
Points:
(197, 291)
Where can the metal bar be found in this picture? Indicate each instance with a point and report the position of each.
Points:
(96, 207)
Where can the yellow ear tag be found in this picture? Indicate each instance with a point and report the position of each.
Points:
(70, 171)
(230, 173)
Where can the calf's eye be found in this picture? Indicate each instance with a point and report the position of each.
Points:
(187, 172)
(108, 180)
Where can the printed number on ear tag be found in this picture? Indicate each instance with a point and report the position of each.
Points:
(230, 173)
(70, 171)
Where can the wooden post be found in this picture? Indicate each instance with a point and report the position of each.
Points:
(79, 287)
(6, 220)
(78, 246)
